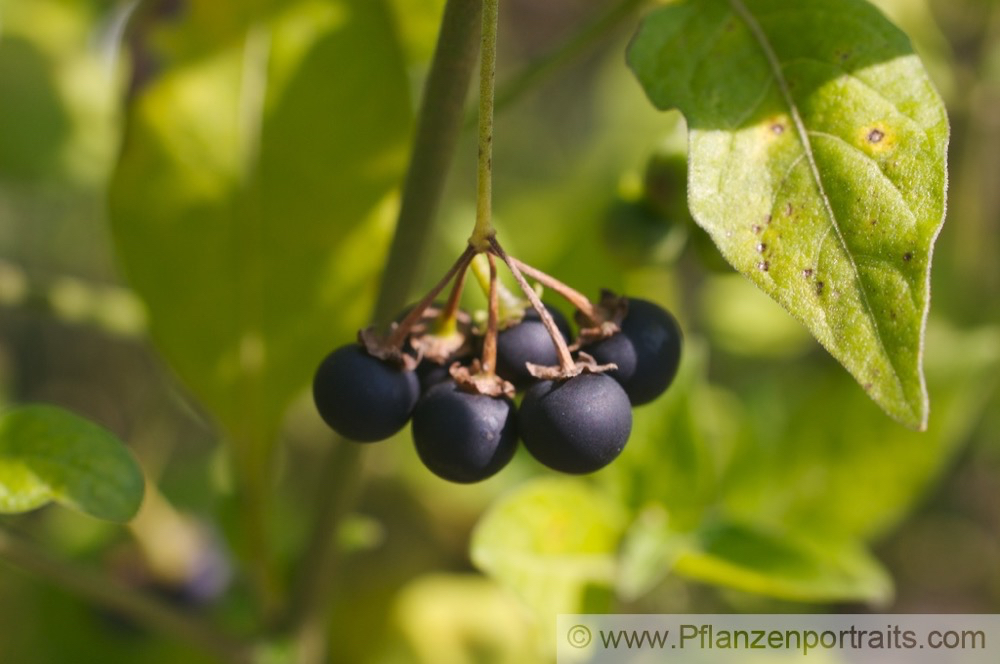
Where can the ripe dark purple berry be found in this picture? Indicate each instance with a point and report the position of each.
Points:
(361, 397)
(431, 374)
(461, 436)
(528, 341)
(647, 351)
(575, 426)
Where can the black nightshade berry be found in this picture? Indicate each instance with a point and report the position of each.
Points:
(361, 397)
(431, 374)
(647, 351)
(575, 426)
(461, 436)
(528, 341)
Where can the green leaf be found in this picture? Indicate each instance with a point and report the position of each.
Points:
(846, 471)
(551, 541)
(751, 559)
(679, 445)
(817, 163)
(48, 454)
(780, 565)
(246, 205)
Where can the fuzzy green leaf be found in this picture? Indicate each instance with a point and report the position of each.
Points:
(48, 454)
(817, 153)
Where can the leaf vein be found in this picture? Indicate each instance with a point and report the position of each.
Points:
(892, 185)
(776, 68)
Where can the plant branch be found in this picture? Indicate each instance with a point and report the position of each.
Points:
(339, 488)
(438, 127)
(114, 595)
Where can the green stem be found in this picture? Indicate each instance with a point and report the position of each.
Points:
(483, 231)
(438, 127)
(536, 71)
(338, 490)
(113, 595)
(251, 458)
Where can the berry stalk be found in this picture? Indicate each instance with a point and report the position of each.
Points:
(565, 358)
(402, 330)
(573, 296)
(511, 307)
(446, 320)
(489, 358)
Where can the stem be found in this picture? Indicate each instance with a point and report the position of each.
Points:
(565, 358)
(511, 306)
(251, 461)
(539, 69)
(575, 297)
(445, 323)
(439, 125)
(489, 359)
(438, 128)
(484, 230)
(403, 329)
(113, 595)
(339, 487)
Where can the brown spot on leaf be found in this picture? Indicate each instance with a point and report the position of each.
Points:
(777, 129)
(908, 256)
(807, 273)
(876, 135)
(764, 266)
(761, 248)
(819, 287)
(756, 228)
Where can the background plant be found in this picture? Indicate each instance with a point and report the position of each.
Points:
(243, 168)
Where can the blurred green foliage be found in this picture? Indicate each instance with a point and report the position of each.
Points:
(48, 454)
(251, 153)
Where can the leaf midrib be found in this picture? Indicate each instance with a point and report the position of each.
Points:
(775, 65)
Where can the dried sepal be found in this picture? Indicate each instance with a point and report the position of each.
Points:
(442, 348)
(584, 364)
(441, 343)
(473, 379)
(379, 346)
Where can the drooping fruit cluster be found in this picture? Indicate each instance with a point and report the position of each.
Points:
(459, 384)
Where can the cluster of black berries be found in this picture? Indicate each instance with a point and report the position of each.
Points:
(459, 386)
